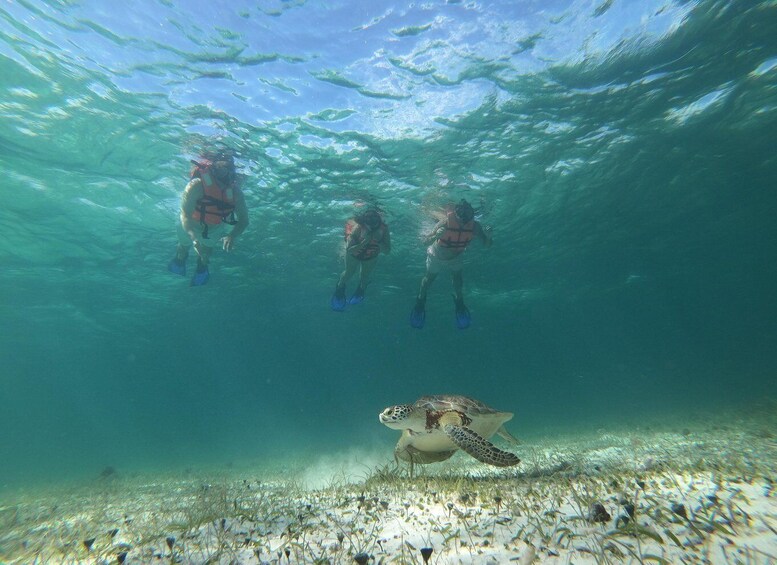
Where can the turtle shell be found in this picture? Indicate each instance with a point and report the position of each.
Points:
(441, 402)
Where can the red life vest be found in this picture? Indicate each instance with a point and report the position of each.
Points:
(372, 249)
(456, 235)
(217, 204)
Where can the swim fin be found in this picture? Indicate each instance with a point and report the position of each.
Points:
(463, 317)
(177, 266)
(337, 302)
(358, 296)
(418, 314)
(201, 276)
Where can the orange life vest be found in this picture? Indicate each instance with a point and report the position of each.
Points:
(456, 235)
(372, 249)
(217, 204)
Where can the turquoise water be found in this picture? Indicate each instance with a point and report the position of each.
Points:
(623, 152)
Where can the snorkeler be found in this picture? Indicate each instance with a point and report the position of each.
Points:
(366, 236)
(451, 237)
(211, 201)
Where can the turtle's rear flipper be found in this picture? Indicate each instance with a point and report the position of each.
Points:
(504, 434)
(479, 447)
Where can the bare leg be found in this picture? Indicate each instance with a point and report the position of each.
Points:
(426, 282)
(463, 319)
(351, 264)
(458, 285)
(203, 256)
(418, 314)
(182, 252)
(364, 273)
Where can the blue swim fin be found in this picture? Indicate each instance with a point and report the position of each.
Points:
(358, 296)
(463, 317)
(201, 276)
(177, 266)
(418, 314)
(337, 302)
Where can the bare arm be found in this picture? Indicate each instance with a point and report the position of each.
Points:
(241, 213)
(385, 243)
(484, 234)
(436, 232)
(193, 192)
(357, 239)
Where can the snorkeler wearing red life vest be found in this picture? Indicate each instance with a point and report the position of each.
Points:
(211, 201)
(366, 236)
(451, 237)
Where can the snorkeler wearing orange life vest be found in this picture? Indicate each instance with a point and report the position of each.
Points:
(366, 236)
(451, 237)
(211, 201)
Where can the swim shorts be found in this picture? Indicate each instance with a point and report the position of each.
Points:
(215, 233)
(434, 264)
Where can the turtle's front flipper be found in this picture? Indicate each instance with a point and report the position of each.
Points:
(479, 447)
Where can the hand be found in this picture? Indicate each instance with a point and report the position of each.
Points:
(364, 237)
(434, 234)
(488, 238)
(229, 242)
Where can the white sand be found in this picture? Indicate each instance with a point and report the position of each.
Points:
(329, 509)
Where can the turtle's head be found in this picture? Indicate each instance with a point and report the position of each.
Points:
(396, 417)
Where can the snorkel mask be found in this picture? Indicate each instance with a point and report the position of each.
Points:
(223, 170)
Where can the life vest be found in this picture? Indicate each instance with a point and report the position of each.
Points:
(217, 204)
(372, 249)
(456, 235)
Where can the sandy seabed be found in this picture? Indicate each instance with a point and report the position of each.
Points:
(699, 494)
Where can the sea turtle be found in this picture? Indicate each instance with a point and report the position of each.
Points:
(434, 427)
